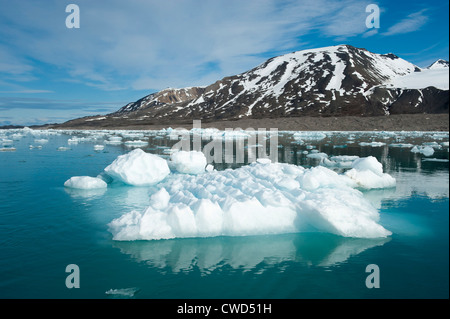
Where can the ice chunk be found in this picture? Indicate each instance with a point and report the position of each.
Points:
(264, 160)
(41, 141)
(309, 135)
(160, 199)
(73, 140)
(425, 150)
(192, 162)
(440, 160)
(401, 145)
(260, 198)
(138, 168)
(368, 173)
(85, 182)
(137, 143)
(319, 177)
(114, 140)
(340, 161)
(372, 144)
(317, 155)
(124, 292)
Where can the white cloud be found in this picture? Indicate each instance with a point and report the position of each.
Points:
(370, 33)
(153, 44)
(14, 67)
(26, 91)
(412, 22)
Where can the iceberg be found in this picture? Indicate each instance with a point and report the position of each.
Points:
(85, 182)
(138, 168)
(257, 199)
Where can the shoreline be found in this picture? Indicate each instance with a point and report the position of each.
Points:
(400, 122)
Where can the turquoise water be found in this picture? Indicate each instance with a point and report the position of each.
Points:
(44, 227)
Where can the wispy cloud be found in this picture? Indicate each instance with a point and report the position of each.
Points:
(26, 91)
(40, 103)
(411, 23)
(149, 44)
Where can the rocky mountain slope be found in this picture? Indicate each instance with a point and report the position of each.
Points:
(332, 81)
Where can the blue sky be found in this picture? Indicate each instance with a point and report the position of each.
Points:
(125, 50)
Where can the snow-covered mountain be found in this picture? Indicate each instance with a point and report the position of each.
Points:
(330, 81)
(439, 64)
(164, 97)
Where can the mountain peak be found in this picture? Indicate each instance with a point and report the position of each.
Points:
(439, 64)
(339, 80)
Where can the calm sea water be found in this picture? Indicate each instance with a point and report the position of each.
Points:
(44, 227)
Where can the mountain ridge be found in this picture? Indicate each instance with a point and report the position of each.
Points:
(332, 81)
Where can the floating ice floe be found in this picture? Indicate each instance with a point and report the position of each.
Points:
(269, 198)
(85, 182)
(124, 292)
(136, 143)
(339, 161)
(114, 140)
(425, 150)
(372, 144)
(6, 142)
(401, 145)
(433, 144)
(41, 141)
(99, 147)
(440, 160)
(306, 135)
(138, 168)
(192, 162)
(73, 140)
(17, 136)
(317, 155)
(232, 135)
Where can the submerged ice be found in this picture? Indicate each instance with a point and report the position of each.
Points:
(260, 198)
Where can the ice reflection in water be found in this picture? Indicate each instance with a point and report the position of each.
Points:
(247, 253)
